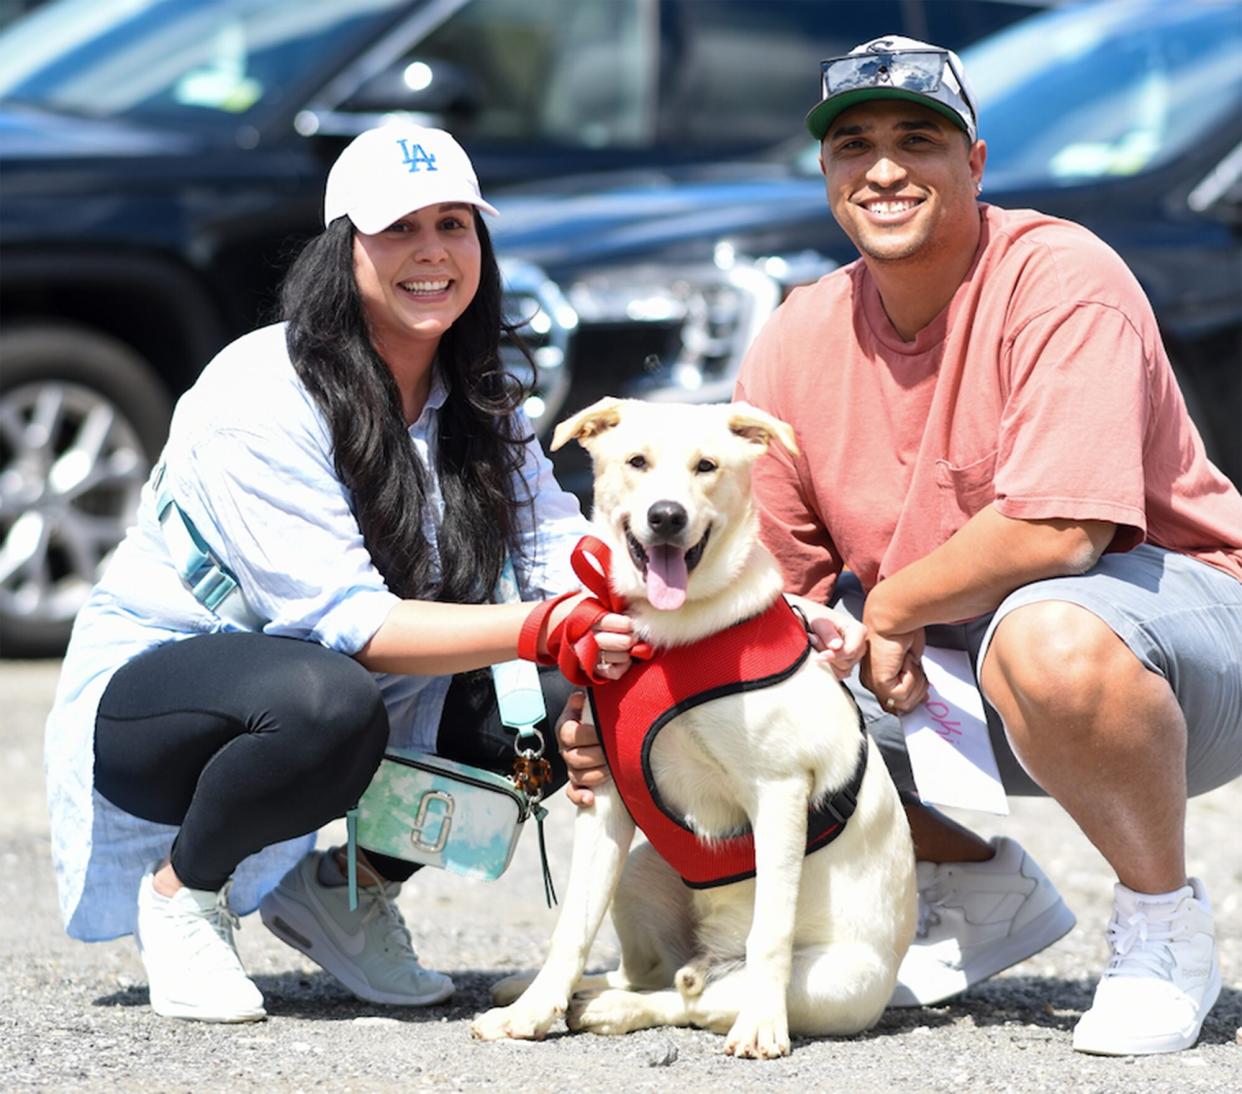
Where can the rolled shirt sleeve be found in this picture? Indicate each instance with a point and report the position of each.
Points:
(270, 506)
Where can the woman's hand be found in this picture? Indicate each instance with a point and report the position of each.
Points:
(578, 741)
(613, 634)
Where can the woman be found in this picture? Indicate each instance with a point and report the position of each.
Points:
(361, 470)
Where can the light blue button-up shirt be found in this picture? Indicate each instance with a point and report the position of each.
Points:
(249, 460)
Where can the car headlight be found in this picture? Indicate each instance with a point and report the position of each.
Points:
(707, 315)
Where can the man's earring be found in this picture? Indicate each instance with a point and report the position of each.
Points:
(978, 187)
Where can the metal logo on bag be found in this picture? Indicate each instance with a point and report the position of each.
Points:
(425, 818)
(416, 156)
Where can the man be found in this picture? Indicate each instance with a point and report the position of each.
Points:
(996, 458)
(995, 449)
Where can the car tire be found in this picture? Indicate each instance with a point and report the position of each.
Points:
(82, 421)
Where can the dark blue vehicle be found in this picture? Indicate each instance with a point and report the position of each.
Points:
(163, 158)
(1124, 117)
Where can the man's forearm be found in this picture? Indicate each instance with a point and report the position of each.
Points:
(976, 568)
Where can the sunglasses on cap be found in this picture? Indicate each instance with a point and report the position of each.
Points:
(917, 70)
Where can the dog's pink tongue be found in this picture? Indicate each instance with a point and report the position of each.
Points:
(666, 577)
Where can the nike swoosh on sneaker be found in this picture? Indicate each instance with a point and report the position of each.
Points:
(350, 943)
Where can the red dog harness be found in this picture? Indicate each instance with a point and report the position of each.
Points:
(630, 712)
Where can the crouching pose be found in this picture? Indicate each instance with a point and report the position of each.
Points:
(309, 578)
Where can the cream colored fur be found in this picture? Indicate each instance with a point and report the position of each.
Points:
(811, 945)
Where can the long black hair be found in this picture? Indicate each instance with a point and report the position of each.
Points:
(478, 450)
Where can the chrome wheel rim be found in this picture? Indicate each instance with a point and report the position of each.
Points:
(71, 473)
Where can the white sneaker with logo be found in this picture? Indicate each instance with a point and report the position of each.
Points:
(975, 919)
(367, 950)
(1162, 979)
(186, 943)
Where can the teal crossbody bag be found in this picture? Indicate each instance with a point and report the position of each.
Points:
(467, 820)
(436, 812)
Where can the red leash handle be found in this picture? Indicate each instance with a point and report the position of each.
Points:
(532, 630)
(592, 561)
(571, 644)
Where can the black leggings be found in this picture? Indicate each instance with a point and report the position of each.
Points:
(244, 740)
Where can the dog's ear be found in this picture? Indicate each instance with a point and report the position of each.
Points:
(758, 427)
(588, 423)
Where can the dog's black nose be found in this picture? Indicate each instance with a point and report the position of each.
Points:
(667, 519)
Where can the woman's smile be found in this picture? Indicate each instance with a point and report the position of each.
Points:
(427, 288)
(417, 276)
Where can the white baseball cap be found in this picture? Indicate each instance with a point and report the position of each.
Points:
(392, 170)
(894, 67)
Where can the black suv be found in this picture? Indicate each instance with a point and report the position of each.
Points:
(161, 159)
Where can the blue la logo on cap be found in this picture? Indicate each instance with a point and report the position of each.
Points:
(416, 156)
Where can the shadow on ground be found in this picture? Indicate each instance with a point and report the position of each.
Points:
(1036, 1002)
(1041, 1002)
(318, 995)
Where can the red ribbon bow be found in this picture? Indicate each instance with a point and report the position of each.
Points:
(572, 645)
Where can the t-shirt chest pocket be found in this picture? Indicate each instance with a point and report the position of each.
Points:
(964, 489)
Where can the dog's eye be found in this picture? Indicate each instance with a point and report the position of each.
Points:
(637, 461)
(705, 467)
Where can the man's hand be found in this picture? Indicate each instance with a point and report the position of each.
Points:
(578, 741)
(893, 670)
(839, 639)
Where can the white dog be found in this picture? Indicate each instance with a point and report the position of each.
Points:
(811, 943)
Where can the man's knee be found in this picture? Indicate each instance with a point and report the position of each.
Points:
(1057, 659)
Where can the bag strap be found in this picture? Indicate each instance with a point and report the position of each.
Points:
(519, 701)
(519, 696)
(209, 580)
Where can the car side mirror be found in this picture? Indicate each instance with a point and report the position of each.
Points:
(438, 88)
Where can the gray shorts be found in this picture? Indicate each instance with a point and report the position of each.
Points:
(1180, 617)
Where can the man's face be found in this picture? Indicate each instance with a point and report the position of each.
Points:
(901, 180)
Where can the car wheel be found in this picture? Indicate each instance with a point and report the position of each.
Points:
(82, 420)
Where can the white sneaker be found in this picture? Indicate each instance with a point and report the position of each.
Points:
(1162, 979)
(186, 943)
(975, 919)
(367, 950)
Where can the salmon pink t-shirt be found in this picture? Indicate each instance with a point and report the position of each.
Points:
(1042, 389)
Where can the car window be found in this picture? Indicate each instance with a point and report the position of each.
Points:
(173, 60)
(1114, 91)
(712, 58)
(957, 24)
(732, 70)
(574, 73)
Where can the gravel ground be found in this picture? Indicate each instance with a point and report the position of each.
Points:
(75, 1017)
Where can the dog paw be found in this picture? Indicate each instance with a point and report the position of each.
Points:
(510, 989)
(610, 1012)
(691, 978)
(758, 1037)
(515, 1023)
